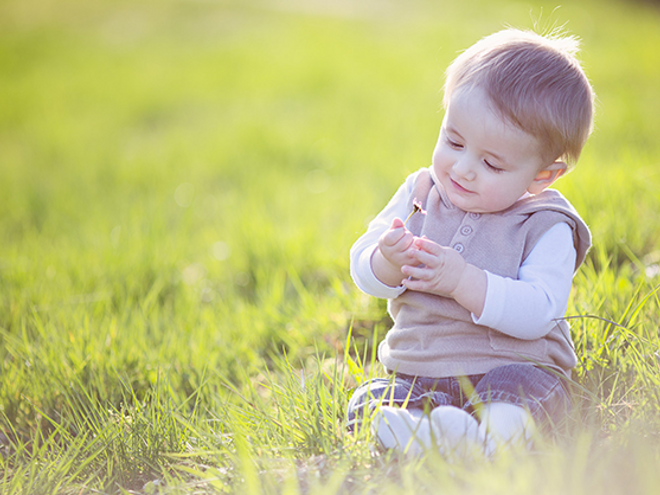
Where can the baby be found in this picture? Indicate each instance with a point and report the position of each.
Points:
(477, 285)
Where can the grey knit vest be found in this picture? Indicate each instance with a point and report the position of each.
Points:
(434, 336)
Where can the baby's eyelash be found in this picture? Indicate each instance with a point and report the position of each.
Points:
(495, 169)
(453, 144)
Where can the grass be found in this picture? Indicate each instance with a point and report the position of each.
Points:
(180, 183)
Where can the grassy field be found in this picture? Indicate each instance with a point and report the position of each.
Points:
(180, 182)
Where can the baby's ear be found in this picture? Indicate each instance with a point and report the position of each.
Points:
(547, 176)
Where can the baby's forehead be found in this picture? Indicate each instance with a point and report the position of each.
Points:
(472, 116)
(476, 99)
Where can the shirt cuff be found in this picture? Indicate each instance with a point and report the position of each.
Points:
(369, 283)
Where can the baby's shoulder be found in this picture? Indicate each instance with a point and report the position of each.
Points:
(549, 200)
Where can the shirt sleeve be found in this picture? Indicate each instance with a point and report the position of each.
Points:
(527, 307)
(364, 247)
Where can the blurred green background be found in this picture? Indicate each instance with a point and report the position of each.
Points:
(200, 168)
(181, 181)
(215, 160)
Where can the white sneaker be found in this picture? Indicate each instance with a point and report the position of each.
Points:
(406, 431)
(456, 432)
(504, 426)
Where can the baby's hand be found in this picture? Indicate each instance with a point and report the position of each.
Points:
(392, 253)
(395, 244)
(436, 269)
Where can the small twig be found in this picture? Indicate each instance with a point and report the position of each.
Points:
(417, 207)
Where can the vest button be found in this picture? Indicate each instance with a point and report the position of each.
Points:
(459, 247)
(474, 215)
(466, 230)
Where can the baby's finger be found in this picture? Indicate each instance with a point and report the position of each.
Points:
(392, 236)
(405, 241)
(416, 272)
(414, 284)
(426, 244)
(397, 223)
(424, 257)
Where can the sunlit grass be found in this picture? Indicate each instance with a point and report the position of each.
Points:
(180, 183)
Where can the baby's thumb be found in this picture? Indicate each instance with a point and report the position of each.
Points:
(397, 223)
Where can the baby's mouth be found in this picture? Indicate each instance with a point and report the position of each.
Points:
(459, 187)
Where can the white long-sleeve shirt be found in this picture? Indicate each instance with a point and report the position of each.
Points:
(524, 308)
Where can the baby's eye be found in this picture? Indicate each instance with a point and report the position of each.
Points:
(493, 168)
(454, 144)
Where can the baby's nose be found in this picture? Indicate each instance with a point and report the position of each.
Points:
(464, 169)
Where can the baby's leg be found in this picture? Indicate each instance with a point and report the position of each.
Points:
(514, 400)
(375, 393)
(395, 407)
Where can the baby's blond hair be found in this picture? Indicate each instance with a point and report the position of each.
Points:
(535, 82)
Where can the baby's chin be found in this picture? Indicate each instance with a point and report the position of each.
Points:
(471, 205)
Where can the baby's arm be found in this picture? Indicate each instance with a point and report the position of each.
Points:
(365, 248)
(526, 307)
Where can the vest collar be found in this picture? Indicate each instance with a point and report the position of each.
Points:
(441, 190)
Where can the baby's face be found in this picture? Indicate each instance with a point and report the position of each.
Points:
(484, 163)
